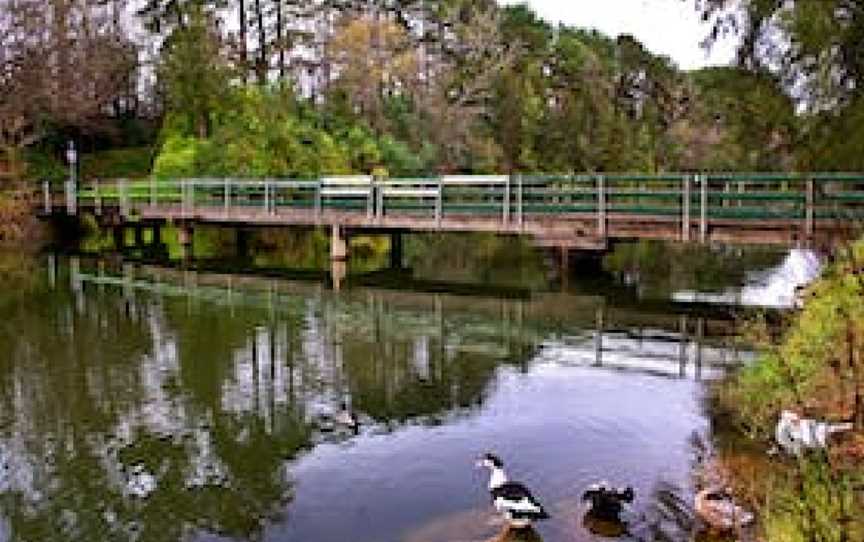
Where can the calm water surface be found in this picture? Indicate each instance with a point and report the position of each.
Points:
(148, 402)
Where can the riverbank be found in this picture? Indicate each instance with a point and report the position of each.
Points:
(815, 367)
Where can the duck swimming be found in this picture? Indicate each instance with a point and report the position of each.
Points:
(606, 502)
(512, 499)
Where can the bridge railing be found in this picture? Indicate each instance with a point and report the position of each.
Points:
(692, 200)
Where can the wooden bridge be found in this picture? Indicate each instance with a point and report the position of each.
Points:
(565, 211)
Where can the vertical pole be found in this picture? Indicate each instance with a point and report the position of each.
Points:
(318, 202)
(370, 199)
(46, 197)
(191, 193)
(703, 214)
(152, 191)
(121, 195)
(685, 209)
(505, 204)
(519, 198)
(700, 338)
(98, 197)
(52, 271)
(266, 197)
(439, 202)
(809, 211)
(682, 345)
(601, 206)
(598, 336)
(227, 195)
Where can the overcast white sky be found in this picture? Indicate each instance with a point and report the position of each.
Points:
(667, 27)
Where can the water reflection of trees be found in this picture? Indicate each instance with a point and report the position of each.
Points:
(658, 269)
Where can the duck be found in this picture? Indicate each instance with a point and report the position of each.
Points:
(512, 499)
(795, 434)
(716, 507)
(606, 502)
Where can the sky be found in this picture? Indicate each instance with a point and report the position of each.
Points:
(667, 27)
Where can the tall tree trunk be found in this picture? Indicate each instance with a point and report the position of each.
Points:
(262, 61)
(280, 35)
(243, 51)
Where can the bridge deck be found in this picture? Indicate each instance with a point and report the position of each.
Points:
(579, 211)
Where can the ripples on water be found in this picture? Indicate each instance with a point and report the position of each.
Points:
(148, 403)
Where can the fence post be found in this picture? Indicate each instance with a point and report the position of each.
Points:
(318, 202)
(121, 198)
(439, 202)
(152, 191)
(601, 206)
(266, 197)
(519, 196)
(97, 194)
(370, 198)
(810, 211)
(685, 209)
(46, 197)
(227, 196)
(703, 211)
(505, 204)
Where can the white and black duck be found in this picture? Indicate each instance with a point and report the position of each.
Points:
(606, 502)
(512, 499)
(795, 434)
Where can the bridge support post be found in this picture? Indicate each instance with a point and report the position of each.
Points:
(396, 251)
(338, 243)
(185, 236)
(139, 235)
(338, 272)
(119, 235)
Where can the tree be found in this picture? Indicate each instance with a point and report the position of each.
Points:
(62, 77)
(196, 73)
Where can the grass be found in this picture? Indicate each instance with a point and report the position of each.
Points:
(814, 366)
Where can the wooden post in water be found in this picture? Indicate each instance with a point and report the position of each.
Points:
(598, 336)
(682, 345)
(809, 211)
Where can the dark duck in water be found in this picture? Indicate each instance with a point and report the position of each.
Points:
(512, 499)
(605, 502)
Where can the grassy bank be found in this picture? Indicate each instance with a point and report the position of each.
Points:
(815, 367)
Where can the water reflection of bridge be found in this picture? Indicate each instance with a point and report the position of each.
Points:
(661, 337)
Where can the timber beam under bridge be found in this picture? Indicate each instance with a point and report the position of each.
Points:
(565, 211)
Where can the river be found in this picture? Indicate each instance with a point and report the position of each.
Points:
(151, 401)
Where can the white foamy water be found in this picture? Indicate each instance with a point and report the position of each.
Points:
(774, 288)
